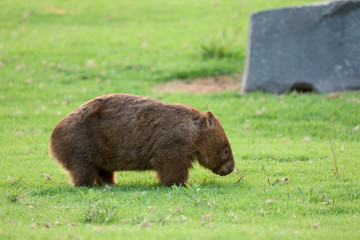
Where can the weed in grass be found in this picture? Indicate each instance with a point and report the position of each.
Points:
(332, 143)
(138, 220)
(311, 196)
(220, 47)
(244, 172)
(16, 198)
(332, 200)
(155, 217)
(98, 210)
(162, 218)
(11, 181)
(318, 197)
(193, 194)
(206, 218)
(277, 181)
(234, 217)
(12, 197)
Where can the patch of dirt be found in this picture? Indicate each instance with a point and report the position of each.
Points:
(55, 10)
(202, 85)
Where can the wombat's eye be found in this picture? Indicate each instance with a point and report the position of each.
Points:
(226, 151)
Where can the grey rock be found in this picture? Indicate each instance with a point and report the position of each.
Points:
(309, 48)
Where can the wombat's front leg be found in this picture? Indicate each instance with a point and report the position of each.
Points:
(105, 177)
(170, 173)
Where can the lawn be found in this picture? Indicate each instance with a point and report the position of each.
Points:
(55, 55)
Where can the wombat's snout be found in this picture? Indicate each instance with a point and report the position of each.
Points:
(225, 169)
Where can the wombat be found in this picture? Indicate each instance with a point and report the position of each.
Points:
(119, 132)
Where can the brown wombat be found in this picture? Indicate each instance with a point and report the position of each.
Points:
(126, 132)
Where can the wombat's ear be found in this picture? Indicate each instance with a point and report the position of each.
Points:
(210, 120)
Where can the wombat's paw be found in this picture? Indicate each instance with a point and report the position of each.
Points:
(172, 183)
(82, 183)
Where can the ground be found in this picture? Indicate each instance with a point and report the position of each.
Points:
(215, 84)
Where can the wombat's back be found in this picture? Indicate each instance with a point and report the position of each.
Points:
(124, 132)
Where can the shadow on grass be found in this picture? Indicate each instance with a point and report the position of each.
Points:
(209, 185)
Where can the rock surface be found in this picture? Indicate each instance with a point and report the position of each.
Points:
(309, 48)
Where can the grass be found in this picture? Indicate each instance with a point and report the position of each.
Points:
(332, 143)
(55, 55)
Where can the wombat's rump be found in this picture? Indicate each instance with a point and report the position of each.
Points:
(125, 132)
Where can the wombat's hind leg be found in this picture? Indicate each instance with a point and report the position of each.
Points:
(83, 176)
(105, 177)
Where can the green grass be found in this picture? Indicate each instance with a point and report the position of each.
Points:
(55, 55)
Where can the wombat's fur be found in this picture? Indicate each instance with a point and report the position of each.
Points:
(126, 132)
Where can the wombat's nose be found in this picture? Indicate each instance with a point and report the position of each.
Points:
(226, 172)
(231, 170)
